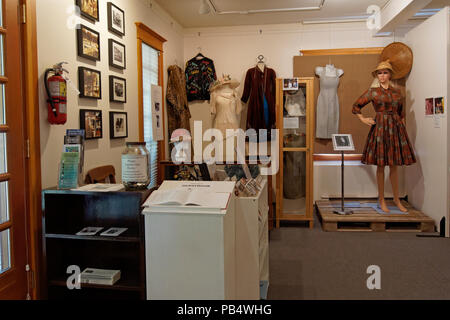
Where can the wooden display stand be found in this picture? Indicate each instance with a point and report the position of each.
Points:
(367, 219)
(66, 213)
(300, 211)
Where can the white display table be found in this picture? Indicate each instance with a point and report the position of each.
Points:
(190, 251)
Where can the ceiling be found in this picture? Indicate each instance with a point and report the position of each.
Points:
(186, 12)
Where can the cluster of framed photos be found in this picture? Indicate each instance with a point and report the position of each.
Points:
(89, 80)
(434, 106)
(92, 123)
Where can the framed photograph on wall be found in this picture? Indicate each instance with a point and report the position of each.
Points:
(88, 43)
(290, 84)
(117, 89)
(439, 105)
(91, 122)
(117, 56)
(89, 9)
(118, 125)
(343, 142)
(429, 106)
(90, 83)
(116, 19)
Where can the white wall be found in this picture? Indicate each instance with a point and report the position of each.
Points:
(56, 42)
(360, 180)
(427, 181)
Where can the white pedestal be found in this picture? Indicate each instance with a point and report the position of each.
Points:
(252, 244)
(190, 255)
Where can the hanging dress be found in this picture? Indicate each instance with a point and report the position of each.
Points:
(387, 143)
(327, 105)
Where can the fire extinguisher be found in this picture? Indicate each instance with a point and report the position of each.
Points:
(56, 88)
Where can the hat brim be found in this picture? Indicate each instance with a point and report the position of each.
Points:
(374, 73)
(233, 84)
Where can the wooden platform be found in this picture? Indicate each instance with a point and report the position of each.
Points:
(368, 219)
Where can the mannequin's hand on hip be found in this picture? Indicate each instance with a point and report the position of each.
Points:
(368, 121)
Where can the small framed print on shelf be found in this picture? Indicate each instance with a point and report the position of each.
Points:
(118, 125)
(90, 83)
(116, 19)
(343, 142)
(91, 122)
(117, 57)
(89, 9)
(88, 43)
(117, 89)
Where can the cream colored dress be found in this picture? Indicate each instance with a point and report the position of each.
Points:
(225, 108)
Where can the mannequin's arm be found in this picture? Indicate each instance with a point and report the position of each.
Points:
(359, 104)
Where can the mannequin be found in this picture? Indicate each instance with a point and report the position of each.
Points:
(225, 105)
(330, 71)
(387, 143)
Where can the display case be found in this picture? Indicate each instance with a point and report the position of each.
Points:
(65, 214)
(295, 122)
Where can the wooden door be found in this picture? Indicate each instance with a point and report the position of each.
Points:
(13, 252)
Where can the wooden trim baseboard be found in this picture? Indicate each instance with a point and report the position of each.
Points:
(337, 157)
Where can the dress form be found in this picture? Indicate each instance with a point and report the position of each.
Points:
(330, 71)
(225, 108)
(327, 119)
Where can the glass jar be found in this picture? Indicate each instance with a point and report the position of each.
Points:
(135, 166)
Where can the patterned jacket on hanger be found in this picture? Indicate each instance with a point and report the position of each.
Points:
(200, 73)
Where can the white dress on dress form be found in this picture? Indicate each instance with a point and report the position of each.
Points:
(225, 107)
(327, 113)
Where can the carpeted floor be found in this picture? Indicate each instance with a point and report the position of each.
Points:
(316, 265)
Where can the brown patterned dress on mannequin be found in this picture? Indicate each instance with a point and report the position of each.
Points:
(387, 143)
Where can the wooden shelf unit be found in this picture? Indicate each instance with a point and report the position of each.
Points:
(307, 215)
(66, 213)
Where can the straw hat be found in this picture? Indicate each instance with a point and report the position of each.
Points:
(382, 66)
(400, 57)
(225, 80)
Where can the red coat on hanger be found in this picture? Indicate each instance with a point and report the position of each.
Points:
(257, 85)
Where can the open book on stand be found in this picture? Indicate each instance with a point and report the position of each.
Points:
(188, 197)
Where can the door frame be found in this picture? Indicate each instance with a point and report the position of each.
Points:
(30, 83)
